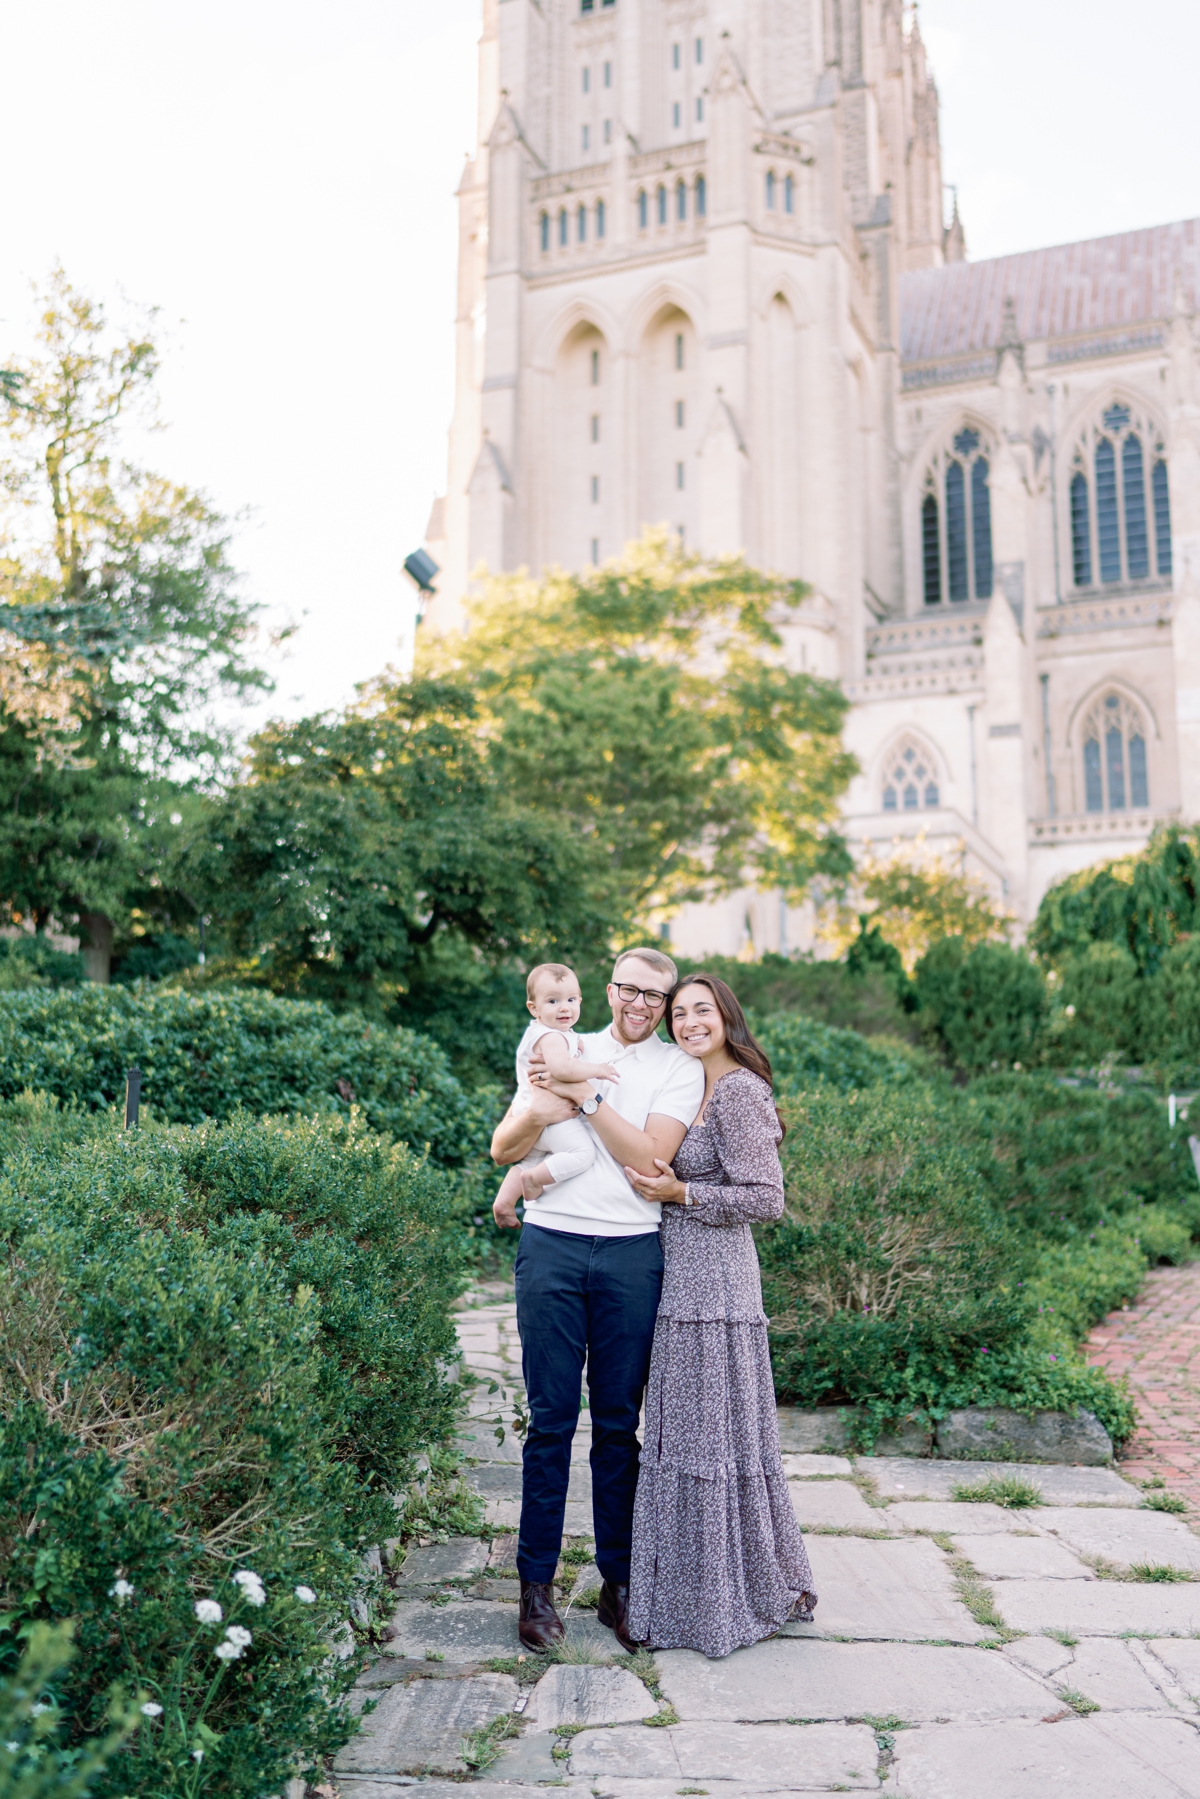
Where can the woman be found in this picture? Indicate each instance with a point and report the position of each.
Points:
(718, 1559)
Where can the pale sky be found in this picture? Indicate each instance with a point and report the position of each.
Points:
(279, 179)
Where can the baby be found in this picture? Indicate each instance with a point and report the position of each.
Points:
(562, 1150)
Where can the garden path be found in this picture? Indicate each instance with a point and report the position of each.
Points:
(1155, 1341)
(962, 1649)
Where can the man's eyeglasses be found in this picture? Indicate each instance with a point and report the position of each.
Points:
(628, 994)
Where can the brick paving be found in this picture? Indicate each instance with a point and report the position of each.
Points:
(1156, 1343)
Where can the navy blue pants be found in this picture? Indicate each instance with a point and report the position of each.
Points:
(583, 1300)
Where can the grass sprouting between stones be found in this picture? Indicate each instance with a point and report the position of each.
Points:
(662, 1719)
(1157, 1572)
(976, 1596)
(1061, 1636)
(1078, 1702)
(481, 1747)
(1165, 1502)
(1008, 1490)
(589, 1599)
(526, 1669)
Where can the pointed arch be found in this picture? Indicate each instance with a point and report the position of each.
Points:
(648, 305)
(1110, 734)
(1115, 492)
(910, 773)
(559, 327)
(950, 506)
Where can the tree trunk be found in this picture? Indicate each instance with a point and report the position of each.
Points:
(97, 946)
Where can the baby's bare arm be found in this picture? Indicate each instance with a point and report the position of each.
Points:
(562, 1066)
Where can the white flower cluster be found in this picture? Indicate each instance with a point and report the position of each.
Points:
(208, 1611)
(236, 1640)
(305, 1595)
(120, 1590)
(253, 1591)
(150, 1710)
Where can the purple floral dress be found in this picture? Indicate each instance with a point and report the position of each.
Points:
(718, 1559)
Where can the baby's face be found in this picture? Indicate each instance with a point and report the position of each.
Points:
(557, 1004)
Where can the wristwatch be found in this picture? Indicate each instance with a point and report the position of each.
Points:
(591, 1106)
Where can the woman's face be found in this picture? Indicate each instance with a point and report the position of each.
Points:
(697, 1022)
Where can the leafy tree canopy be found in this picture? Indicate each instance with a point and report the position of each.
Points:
(120, 623)
(905, 902)
(1144, 903)
(650, 705)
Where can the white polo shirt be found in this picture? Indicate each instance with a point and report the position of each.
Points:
(655, 1077)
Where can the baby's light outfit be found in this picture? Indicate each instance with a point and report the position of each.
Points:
(567, 1148)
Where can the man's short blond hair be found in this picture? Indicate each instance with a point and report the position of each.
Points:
(661, 964)
(554, 971)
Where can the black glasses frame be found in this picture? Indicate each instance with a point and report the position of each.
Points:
(627, 991)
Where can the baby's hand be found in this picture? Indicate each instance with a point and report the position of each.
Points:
(504, 1211)
(606, 1072)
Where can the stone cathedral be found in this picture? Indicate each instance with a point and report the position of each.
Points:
(705, 281)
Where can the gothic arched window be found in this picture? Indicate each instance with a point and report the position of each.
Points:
(582, 223)
(956, 524)
(1114, 756)
(662, 205)
(680, 201)
(910, 782)
(643, 210)
(563, 228)
(1118, 491)
(771, 189)
(701, 196)
(544, 229)
(789, 194)
(600, 218)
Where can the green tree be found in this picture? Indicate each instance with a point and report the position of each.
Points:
(984, 1003)
(118, 597)
(650, 706)
(1144, 903)
(365, 859)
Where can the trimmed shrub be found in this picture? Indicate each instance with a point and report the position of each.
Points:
(1097, 1008)
(219, 1352)
(207, 1055)
(28, 960)
(857, 995)
(984, 1005)
(805, 1055)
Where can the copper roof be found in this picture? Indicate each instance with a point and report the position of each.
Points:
(1093, 285)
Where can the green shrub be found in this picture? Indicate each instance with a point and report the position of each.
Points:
(1097, 1007)
(1144, 903)
(219, 1351)
(205, 1055)
(29, 960)
(33, 1763)
(983, 1005)
(805, 1054)
(858, 998)
(1061, 1159)
(1170, 1013)
(888, 1255)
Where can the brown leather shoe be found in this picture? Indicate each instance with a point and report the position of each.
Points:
(612, 1611)
(538, 1623)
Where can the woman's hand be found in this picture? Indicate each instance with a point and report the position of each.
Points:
(662, 1187)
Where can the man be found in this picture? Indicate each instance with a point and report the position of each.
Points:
(589, 1277)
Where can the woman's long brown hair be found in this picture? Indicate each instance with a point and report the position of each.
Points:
(738, 1039)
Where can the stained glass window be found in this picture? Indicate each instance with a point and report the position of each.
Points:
(701, 196)
(600, 219)
(1115, 772)
(1162, 518)
(545, 230)
(662, 205)
(910, 781)
(643, 210)
(771, 188)
(1111, 512)
(958, 539)
(680, 201)
(1081, 530)
(931, 550)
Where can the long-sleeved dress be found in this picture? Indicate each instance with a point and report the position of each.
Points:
(718, 1559)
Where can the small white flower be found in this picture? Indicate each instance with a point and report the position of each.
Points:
(150, 1710)
(239, 1636)
(208, 1611)
(13, 1748)
(120, 1591)
(305, 1595)
(197, 1755)
(35, 1711)
(227, 1652)
(1070, 1011)
(252, 1587)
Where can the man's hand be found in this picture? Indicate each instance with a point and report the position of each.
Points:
(516, 1133)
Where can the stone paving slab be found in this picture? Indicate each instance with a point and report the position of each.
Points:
(1123, 1537)
(969, 1520)
(422, 1726)
(1106, 1756)
(1109, 1672)
(460, 1559)
(789, 1679)
(505, 1514)
(834, 1502)
(1099, 1608)
(528, 1759)
(474, 1630)
(1181, 1657)
(581, 1695)
(478, 1441)
(772, 1757)
(1021, 1558)
(804, 1467)
(900, 1591)
(898, 1477)
(1041, 1655)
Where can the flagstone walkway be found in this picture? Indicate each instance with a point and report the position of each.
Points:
(1156, 1343)
(963, 1650)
